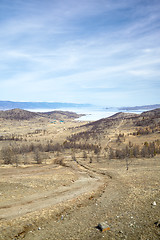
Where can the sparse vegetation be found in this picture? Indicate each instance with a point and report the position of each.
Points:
(79, 162)
(147, 150)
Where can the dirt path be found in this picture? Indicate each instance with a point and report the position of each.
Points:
(74, 210)
(126, 204)
(46, 199)
(46, 189)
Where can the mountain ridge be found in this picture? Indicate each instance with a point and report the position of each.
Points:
(144, 107)
(7, 105)
(21, 114)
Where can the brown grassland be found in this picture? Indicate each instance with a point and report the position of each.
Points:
(60, 178)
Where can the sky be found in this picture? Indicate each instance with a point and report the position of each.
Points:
(102, 52)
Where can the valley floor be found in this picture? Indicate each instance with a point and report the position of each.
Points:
(68, 202)
(59, 180)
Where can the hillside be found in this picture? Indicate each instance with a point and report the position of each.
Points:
(122, 115)
(61, 179)
(148, 119)
(19, 114)
(123, 135)
(153, 113)
(59, 115)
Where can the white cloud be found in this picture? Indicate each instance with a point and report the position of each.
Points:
(71, 47)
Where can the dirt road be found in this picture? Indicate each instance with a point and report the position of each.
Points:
(38, 201)
(63, 203)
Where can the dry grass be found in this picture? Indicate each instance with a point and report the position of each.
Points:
(83, 185)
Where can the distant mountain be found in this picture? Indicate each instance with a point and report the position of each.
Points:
(145, 107)
(6, 105)
(17, 114)
(20, 114)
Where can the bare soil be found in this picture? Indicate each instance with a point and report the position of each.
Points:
(55, 202)
(67, 201)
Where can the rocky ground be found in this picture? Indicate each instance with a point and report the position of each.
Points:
(69, 202)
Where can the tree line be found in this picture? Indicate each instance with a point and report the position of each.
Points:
(134, 151)
(10, 153)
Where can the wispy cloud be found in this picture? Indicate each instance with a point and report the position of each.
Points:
(98, 49)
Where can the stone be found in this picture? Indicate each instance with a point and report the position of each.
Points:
(157, 223)
(154, 203)
(103, 226)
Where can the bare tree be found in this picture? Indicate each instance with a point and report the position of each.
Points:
(90, 160)
(37, 157)
(74, 157)
(7, 155)
(84, 155)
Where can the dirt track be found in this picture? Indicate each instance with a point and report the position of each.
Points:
(41, 200)
(53, 202)
(33, 190)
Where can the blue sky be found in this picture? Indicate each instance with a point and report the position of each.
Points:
(104, 52)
